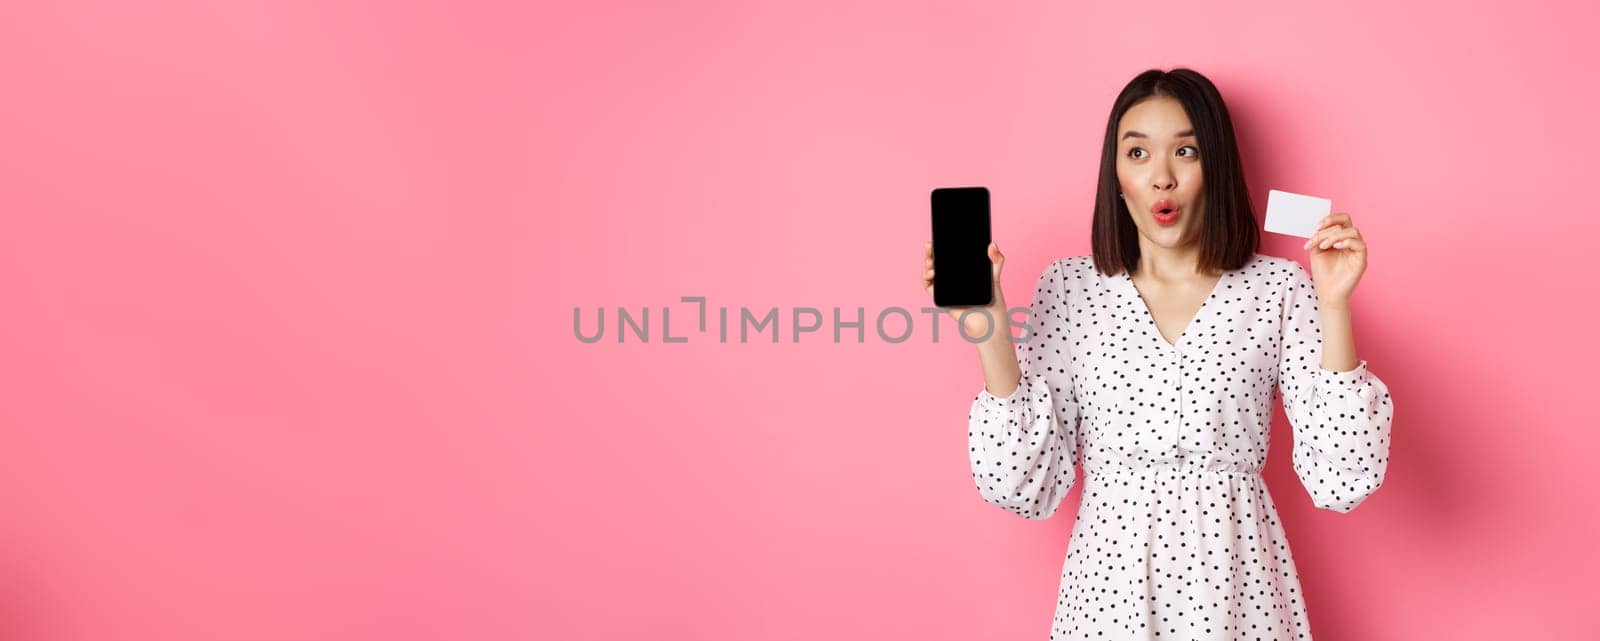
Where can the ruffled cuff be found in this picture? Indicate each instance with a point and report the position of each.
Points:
(1018, 397)
(1328, 379)
(1346, 403)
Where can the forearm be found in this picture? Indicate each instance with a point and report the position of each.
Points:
(1338, 339)
(1001, 375)
(998, 353)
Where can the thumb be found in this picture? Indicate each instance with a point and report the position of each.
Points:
(997, 259)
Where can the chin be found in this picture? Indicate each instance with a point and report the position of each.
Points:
(1169, 238)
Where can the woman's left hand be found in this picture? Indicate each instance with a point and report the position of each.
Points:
(1338, 257)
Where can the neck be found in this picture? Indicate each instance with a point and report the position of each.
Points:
(1168, 263)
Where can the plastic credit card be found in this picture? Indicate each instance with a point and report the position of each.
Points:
(1295, 214)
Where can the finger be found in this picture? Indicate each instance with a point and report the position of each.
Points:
(1328, 223)
(927, 249)
(1336, 235)
(1316, 239)
(927, 275)
(1333, 220)
(1352, 244)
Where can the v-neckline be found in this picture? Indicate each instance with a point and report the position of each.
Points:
(1199, 314)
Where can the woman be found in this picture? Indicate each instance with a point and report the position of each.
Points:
(1155, 359)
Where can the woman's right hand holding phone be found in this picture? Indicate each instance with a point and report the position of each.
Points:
(997, 354)
(977, 323)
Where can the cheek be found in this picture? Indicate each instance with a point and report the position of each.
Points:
(1129, 181)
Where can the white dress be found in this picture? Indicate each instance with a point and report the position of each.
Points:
(1176, 536)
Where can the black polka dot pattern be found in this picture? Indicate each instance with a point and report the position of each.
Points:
(1177, 536)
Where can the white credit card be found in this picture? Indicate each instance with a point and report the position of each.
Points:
(1295, 214)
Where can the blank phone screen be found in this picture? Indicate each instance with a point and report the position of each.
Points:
(962, 275)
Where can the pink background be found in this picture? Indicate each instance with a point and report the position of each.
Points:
(288, 347)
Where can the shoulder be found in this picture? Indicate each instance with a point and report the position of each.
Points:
(1276, 270)
(1071, 270)
(1281, 277)
(1074, 266)
(1069, 276)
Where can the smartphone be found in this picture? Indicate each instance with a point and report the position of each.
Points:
(962, 273)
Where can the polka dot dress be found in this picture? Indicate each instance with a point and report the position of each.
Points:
(1176, 536)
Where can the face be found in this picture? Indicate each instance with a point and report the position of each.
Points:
(1158, 167)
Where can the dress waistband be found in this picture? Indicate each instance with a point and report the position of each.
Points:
(1192, 462)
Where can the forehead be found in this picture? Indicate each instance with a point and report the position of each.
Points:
(1159, 117)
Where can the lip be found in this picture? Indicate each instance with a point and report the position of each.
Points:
(1168, 218)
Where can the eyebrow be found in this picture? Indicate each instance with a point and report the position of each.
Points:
(1134, 134)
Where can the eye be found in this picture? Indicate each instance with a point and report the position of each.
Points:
(1130, 151)
(1196, 150)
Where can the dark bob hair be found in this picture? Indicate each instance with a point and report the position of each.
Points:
(1227, 231)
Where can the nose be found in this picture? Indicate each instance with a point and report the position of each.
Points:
(1163, 180)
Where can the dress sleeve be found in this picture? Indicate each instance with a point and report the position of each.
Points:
(1022, 447)
(1340, 420)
